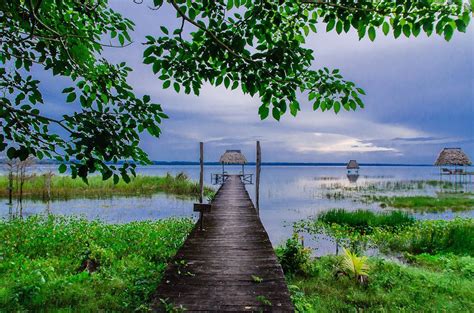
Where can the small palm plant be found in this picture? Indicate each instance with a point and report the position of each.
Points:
(355, 266)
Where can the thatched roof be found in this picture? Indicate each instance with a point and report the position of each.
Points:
(352, 164)
(233, 157)
(452, 156)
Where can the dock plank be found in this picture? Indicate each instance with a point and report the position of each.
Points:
(212, 272)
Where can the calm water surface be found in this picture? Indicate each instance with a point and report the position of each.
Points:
(288, 194)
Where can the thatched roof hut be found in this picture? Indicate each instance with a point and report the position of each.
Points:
(352, 165)
(452, 157)
(233, 157)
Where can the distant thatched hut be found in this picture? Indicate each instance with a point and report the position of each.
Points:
(352, 167)
(233, 157)
(452, 157)
(452, 161)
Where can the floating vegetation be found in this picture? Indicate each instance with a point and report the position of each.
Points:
(442, 202)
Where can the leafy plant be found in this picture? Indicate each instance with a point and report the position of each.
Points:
(42, 263)
(355, 266)
(257, 279)
(264, 300)
(294, 257)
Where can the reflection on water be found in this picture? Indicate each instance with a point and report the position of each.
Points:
(288, 194)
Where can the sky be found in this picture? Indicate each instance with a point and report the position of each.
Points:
(420, 98)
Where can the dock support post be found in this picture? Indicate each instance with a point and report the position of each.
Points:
(201, 173)
(201, 182)
(257, 178)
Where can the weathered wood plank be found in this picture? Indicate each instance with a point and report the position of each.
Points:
(213, 269)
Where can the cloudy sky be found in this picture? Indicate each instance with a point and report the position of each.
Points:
(420, 98)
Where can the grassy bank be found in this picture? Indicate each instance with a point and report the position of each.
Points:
(55, 263)
(64, 187)
(436, 272)
(391, 287)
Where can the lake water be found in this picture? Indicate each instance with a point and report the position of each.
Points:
(287, 194)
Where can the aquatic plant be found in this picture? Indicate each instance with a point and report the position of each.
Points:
(43, 263)
(442, 202)
(364, 220)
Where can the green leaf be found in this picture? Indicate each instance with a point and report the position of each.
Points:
(230, 4)
(276, 113)
(371, 33)
(385, 28)
(116, 179)
(11, 153)
(339, 27)
(330, 25)
(461, 26)
(164, 30)
(448, 32)
(166, 84)
(406, 30)
(337, 107)
(71, 97)
(397, 31)
(263, 111)
(62, 168)
(176, 87)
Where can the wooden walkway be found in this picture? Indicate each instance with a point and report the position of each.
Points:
(213, 269)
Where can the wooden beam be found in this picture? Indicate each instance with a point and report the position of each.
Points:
(257, 178)
(201, 173)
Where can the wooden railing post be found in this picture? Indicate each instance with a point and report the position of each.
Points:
(201, 173)
(257, 178)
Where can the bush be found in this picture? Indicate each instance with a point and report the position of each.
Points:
(294, 257)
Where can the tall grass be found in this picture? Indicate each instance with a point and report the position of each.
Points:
(432, 237)
(364, 220)
(63, 187)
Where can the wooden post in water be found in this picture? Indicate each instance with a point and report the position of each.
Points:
(201, 182)
(10, 187)
(201, 172)
(257, 178)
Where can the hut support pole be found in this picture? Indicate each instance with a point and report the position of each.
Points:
(257, 178)
(201, 172)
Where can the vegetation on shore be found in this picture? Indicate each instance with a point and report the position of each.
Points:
(436, 267)
(64, 187)
(391, 287)
(57, 263)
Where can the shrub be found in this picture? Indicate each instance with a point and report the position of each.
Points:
(294, 257)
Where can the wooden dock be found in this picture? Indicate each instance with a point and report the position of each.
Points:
(230, 266)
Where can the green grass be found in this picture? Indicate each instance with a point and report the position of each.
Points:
(41, 262)
(443, 202)
(64, 187)
(391, 287)
(430, 236)
(365, 220)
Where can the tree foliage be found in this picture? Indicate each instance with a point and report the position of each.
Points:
(65, 38)
(258, 46)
